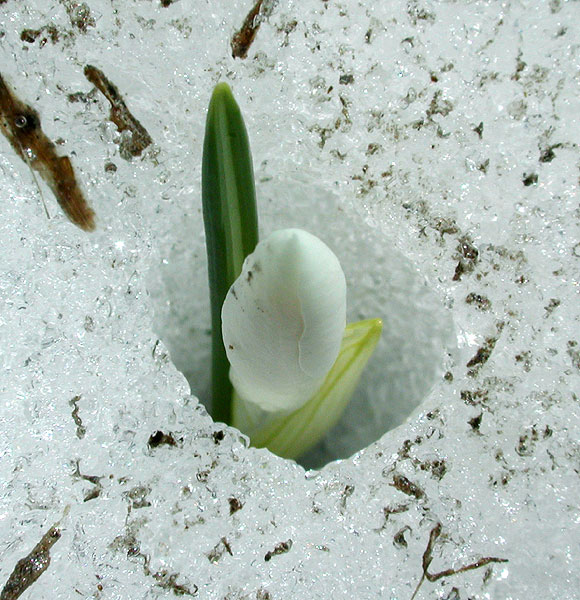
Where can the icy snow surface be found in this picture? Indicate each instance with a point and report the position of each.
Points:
(433, 146)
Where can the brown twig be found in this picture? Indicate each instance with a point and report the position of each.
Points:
(20, 124)
(244, 38)
(33, 565)
(428, 558)
(120, 115)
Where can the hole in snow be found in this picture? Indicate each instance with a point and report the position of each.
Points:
(417, 331)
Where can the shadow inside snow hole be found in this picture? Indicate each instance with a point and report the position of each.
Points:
(417, 333)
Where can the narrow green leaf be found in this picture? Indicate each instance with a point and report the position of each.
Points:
(291, 435)
(230, 219)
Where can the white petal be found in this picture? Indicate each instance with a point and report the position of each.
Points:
(291, 435)
(283, 320)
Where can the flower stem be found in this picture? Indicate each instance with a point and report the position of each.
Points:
(231, 222)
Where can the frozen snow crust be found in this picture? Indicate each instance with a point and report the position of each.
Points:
(422, 141)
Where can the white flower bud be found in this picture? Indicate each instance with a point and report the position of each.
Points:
(283, 320)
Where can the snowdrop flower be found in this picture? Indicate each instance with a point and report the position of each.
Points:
(283, 321)
(280, 336)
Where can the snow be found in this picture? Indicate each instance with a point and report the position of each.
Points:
(407, 135)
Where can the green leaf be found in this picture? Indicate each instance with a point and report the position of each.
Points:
(230, 219)
(291, 435)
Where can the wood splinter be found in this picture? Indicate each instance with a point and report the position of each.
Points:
(20, 124)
